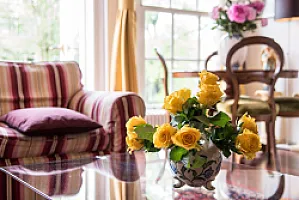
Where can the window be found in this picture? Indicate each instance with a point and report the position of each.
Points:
(31, 31)
(181, 31)
(51, 30)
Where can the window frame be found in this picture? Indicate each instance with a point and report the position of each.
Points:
(141, 58)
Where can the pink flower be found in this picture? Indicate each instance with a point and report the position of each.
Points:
(215, 12)
(264, 22)
(258, 6)
(251, 13)
(237, 13)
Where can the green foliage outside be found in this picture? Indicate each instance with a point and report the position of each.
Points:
(29, 30)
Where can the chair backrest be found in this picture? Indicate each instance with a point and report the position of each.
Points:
(44, 84)
(215, 53)
(269, 79)
(165, 80)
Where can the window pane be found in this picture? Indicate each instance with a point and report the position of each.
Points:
(183, 4)
(207, 5)
(154, 76)
(207, 38)
(185, 65)
(191, 83)
(159, 3)
(31, 30)
(157, 34)
(185, 36)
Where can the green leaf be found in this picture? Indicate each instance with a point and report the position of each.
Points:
(180, 125)
(202, 118)
(226, 153)
(180, 118)
(149, 146)
(177, 153)
(221, 119)
(198, 162)
(145, 132)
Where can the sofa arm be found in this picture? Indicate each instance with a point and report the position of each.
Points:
(110, 109)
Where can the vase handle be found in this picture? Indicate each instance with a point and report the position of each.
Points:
(209, 186)
(179, 184)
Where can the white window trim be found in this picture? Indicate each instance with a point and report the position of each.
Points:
(93, 44)
(140, 60)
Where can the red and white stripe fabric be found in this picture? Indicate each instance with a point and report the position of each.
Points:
(45, 84)
(14, 144)
(112, 110)
(58, 84)
(71, 178)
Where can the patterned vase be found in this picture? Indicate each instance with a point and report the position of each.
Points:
(202, 176)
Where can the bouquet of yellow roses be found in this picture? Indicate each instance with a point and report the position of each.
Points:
(195, 121)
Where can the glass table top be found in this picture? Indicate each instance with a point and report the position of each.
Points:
(133, 177)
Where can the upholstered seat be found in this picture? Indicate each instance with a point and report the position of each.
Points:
(252, 106)
(287, 104)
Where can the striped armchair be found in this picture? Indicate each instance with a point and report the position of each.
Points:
(58, 84)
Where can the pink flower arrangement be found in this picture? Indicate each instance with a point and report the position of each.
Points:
(239, 17)
(258, 6)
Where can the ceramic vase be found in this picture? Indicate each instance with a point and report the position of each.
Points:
(226, 43)
(202, 176)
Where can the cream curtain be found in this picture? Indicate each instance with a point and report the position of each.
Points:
(123, 65)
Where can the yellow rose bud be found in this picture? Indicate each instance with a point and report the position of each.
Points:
(208, 78)
(134, 121)
(248, 143)
(187, 138)
(134, 144)
(162, 137)
(248, 123)
(209, 94)
(174, 102)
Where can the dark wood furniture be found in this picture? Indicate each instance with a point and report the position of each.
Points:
(243, 76)
(268, 78)
(165, 70)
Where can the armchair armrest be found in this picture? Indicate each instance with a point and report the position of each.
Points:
(112, 110)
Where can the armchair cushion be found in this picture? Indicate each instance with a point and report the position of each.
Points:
(254, 107)
(48, 121)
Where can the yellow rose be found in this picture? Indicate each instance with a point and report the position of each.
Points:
(248, 143)
(162, 137)
(134, 144)
(208, 78)
(174, 102)
(248, 123)
(134, 121)
(209, 94)
(187, 138)
(184, 93)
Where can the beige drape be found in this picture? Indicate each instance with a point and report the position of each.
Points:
(123, 65)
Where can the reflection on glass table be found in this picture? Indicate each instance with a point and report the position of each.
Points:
(125, 176)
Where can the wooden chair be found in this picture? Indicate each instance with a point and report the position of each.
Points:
(215, 53)
(165, 80)
(261, 110)
(159, 116)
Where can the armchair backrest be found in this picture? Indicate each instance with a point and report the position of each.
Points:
(44, 84)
